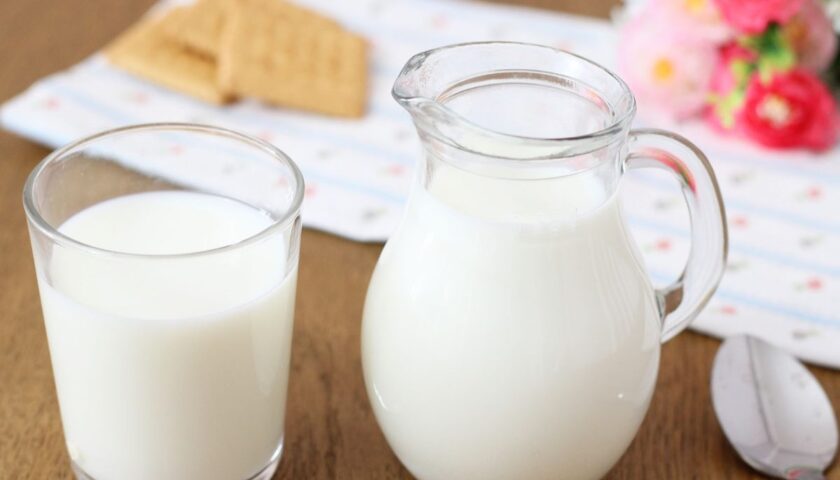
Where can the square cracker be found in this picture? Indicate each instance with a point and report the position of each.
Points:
(199, 26)
(145, 51)
(290, 56)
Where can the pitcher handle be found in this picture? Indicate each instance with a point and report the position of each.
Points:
(681, 301)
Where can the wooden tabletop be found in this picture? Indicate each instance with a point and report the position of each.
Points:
(330, 430)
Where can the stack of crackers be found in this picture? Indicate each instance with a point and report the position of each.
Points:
(273, 50)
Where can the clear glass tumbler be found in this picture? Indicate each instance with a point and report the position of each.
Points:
(166, 258)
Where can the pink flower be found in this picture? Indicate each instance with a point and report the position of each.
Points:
(667, 65)
(730, 74)
(699, 19)
(791, 109)
(753, 16)
(812, 37)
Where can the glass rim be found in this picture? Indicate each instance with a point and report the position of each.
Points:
(42, 225)
(595, 139)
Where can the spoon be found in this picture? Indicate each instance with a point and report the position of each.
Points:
(772, 410)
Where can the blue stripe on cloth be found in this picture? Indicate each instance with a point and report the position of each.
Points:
(760, 304)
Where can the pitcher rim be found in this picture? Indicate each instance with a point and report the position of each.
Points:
(575, 144)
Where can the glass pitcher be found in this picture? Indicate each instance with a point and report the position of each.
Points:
(510, 330)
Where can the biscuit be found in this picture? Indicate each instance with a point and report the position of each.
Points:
(198, 26)
(293, 57)
(145, 51)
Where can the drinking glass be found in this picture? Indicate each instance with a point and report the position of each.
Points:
(166, 257)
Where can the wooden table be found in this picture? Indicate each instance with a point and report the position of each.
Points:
(330, 430)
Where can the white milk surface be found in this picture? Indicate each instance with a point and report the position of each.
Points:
(170, 367)
(510, 331)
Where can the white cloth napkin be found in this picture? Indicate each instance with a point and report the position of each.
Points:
(783, 280)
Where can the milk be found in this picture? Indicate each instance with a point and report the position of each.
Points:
(510, 330)
(170, 367)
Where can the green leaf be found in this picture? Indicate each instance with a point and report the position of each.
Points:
(775, 53)
(741, 72)
(776, 61)
(727, 106)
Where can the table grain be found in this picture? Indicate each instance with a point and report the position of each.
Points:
(330, 430)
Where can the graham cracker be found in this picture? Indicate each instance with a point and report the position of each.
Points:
(198, 26)
(290, 56)
(145, 51)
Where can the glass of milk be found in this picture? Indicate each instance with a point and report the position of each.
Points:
(510, 329)
(166, 258)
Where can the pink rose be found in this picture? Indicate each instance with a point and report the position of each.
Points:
(812, 37)
(753, 16)
(791, 109)
(668, 67)
(728, 76)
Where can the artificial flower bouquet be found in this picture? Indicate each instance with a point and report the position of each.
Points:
(760, 69)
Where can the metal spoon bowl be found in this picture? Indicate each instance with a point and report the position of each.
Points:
(772, 410)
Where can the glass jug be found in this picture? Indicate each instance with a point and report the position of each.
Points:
(510, 330)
